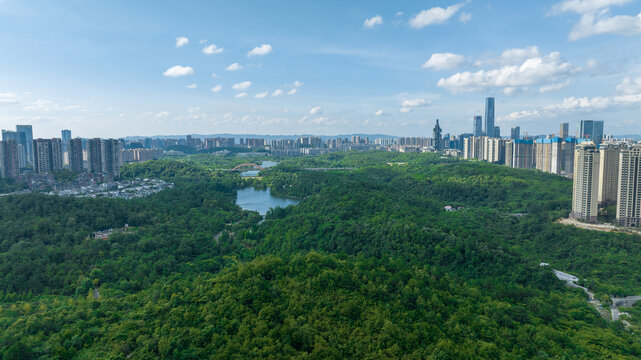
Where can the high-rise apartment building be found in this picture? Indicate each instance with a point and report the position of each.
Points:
(564, 130)
(66, 138)
(26, 139)
(495, 150)
(592, 130)
(629, 189)
(111, 157)
(523, 154)
(75, 155)
(9, 166)
(567, 158)
(515, 133)
(509, 153)
(94, 150)
(478, 126)
(549, 155)
(497, 132)
(47, 155)
(489, 117)
(608, 172)
(585, 191)
(21, 148)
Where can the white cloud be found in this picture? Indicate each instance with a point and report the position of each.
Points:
(217, 88)
(212, 49)
(628, 86)
(554, 87)
(465, 17)
(242, 85)
(511, 56)
(603, 23)
(596, 18)
(233, 67)
(260, 50)
(181, 41)
(178, 70)
(415, 102)
(405, 110)
(297, 84)
(585, 6)
(192, 86)
(533, 71)
(444, 61)
(202, 41)
(8, 98)
(380, 112)
(262, 95)
(162, 115)
(292, 91)
(277, 92)
(373, 21)
(214, 75)
(434, 16)
(316, 110)
(48, 105)
(241, 95)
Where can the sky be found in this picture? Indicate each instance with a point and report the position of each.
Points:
(143, 68)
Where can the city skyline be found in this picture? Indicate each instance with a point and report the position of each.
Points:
(325, 69)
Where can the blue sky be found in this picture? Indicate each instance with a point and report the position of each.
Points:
(117, 68)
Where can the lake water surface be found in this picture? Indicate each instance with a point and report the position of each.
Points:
(265, 164)
(261, 200)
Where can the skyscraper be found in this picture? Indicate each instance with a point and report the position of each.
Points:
(9, 166)
(20, 147)
(523, 152)
(56, 154)
(489, 116)
(515, 133)
(42, 156)
(66, 137)
(586, 182)
(497, 132)
(478, 126)
(437, 136)
(549, 155)
(111, 157)
(593, 130)
(75, 155)
(26, 139)
(629, 189)
(564, 130)
(608, 172)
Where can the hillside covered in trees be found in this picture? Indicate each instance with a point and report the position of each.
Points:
(367, 265)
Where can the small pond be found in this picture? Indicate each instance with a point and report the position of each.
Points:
(261, 200)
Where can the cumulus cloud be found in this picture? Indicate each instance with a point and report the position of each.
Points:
(8, 98)
(511, 56)
(444, 61)
(373, 21)
(434, 16)
(212, 49)
(315, 110)
(465, 17)
(241, 95)
(405, 110)
(596, 18)
(162, 115)
(628, 86)
(417, 102)
(242, 85)
(217, 88)
(192, 86)
(261, 95)
(233, 67)
(539, 70)
(277, 92)
(292, 91)
(260, 50)
(178, 70)
(380, 112)
(181, 41)
(297, 84)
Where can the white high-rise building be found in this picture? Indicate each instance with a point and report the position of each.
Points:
(586, 182)
(629, 189)
(608, 172)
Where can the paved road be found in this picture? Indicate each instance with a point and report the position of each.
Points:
(627, 301)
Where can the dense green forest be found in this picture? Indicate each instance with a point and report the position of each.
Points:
(367, 265)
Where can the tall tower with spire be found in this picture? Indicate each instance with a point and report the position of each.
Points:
(437, 136)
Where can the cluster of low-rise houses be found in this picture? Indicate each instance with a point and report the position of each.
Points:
(125, 189)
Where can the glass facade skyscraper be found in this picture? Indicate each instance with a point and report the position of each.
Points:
(593, 130)
(478, 126)
(489, 116)
(26, 140)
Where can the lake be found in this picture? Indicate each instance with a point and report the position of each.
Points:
(261, 200)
